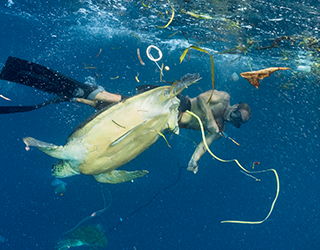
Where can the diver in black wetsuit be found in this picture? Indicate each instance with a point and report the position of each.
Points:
(45, 79)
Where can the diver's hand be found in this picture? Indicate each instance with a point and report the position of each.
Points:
(192, 166)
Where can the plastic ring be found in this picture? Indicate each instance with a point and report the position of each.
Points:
(150, 56)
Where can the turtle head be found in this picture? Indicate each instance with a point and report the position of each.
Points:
(62, 169)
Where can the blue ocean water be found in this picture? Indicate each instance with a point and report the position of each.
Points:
(283, 132)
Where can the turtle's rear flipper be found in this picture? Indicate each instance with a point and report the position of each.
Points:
(48, 148)
(119, 176)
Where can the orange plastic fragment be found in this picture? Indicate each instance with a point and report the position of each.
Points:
(254, 76)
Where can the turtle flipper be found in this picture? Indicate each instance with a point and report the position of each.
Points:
(119, 176)
(48, 148)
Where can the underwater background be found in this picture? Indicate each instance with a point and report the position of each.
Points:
(282, 134)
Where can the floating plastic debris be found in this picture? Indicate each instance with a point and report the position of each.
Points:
(234, 77)
(60, 186)
(302, 68)
(58, 182)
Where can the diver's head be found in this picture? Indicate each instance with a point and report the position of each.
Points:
(61, 169)
(239, 113)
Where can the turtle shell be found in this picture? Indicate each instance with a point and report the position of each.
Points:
(118, 134)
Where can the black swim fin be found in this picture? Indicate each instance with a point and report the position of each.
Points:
(43, 78)
(17, 109)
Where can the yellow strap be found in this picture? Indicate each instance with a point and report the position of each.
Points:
(250, 172)
(163, 138)
(212, 64)
(137, 79)
(161, 73)
(172, 16)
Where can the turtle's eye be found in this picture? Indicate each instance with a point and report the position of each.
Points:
(53, 168)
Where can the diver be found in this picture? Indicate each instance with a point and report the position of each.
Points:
(214, 115)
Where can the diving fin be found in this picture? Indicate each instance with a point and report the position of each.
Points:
(43, 78)
(17, 109)
(119, 176)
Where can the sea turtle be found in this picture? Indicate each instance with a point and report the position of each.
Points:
(116, 135)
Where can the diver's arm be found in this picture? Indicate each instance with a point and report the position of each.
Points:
(200, 150)
(211, 125)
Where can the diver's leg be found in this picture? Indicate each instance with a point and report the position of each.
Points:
(43, 78)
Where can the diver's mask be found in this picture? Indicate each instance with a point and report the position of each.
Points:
(236, 118)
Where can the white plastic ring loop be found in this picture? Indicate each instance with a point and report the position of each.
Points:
(150, 56)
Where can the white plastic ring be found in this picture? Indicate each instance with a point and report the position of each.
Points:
(150, 56)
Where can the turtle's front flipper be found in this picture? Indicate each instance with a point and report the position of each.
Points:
(119, 176)
(48, 148)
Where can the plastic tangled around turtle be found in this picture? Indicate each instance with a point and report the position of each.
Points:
(254, 76)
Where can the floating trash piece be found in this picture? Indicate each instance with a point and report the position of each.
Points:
(138, 53)
(137, 79)
(172, 16)
(99, 53)
(60, 189)
(94, 214)
(302, 68)
(60, 186)
(58, 182)
(195, 15)
(245, 170)
(86, 67)
(234, 77)
(6, 98)
(135, 35)
(152, 58)
(254, 77)
(211, 59)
